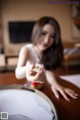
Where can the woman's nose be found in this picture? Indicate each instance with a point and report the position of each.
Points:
(46, 40)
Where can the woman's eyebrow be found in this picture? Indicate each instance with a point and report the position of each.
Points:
(45, 31)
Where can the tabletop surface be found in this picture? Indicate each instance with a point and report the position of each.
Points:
(66, 110)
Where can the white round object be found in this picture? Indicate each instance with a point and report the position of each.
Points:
(26, 105)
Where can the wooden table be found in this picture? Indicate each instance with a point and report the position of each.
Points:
(66, 110)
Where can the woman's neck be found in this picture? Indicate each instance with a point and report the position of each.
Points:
(38, 52)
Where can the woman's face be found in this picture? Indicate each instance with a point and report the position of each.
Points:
(46, 38)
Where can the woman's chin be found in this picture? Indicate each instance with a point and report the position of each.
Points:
(42, 48)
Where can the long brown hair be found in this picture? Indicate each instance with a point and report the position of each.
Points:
(53, 56)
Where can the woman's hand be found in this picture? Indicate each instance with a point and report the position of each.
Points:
(65, 92)
(57, 88)
(33, 76)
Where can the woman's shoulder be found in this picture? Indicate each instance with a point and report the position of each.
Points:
(29, 45)
(26, 47)
(24, 50)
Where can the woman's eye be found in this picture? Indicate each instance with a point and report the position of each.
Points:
(53, 36)
(43, 33)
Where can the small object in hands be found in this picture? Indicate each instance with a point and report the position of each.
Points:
(36, 68)
(36, 85)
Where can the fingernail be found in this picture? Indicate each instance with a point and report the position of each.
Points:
(76, 94)
(68, 100)
(57, 97)
(76, 97)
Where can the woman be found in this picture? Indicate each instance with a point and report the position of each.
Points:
(46, 49)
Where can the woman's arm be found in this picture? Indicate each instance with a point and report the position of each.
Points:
(57, 88)
(25, 71)
(20, 71)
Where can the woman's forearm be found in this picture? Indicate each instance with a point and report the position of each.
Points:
(50, 77)
(20, 72)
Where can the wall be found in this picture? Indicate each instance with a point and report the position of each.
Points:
(32, 10)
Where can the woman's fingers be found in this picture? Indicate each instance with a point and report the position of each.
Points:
(30, 72)
(38, 75)
(71, 93)
(61, 92)
(59, 89)
(35, 77)
(55, 93)
(65, 92)
(64, 95)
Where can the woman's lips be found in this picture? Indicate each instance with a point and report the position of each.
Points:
(45, 45)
